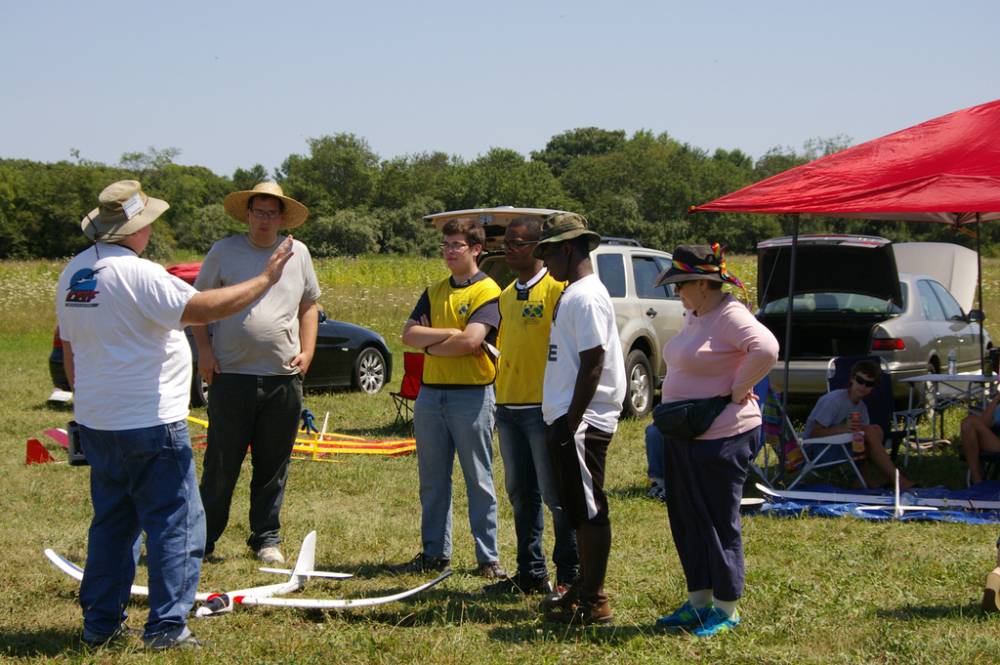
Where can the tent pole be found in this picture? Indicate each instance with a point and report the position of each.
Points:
(788, 332)
(979, 268)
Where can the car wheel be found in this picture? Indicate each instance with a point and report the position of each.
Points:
(369, 371)
(639, 396)
(199, 390)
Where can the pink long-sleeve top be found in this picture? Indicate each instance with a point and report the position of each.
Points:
(726, 351)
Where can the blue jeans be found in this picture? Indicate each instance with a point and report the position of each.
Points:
(654, 453)
(446, 422)
(262, 413)
(141, 480)
(529, 483)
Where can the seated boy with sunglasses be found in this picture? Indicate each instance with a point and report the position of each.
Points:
(832, 415)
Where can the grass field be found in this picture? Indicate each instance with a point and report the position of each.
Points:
(818, 590)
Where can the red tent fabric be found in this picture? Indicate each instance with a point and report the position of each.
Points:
(944, 170)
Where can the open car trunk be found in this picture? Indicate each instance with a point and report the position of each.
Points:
(844, 287)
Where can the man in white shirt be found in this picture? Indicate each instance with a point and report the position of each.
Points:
(129, 365)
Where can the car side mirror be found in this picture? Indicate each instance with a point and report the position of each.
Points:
(321, 316)
(977, 316)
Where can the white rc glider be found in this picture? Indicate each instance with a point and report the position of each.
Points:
(215, 604)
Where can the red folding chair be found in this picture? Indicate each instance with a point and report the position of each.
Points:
(413, 372)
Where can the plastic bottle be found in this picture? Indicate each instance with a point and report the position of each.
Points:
(858, 437)
(952, 363)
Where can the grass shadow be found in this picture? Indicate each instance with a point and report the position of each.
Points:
(45, 643)
(926, 612)
(606, 634)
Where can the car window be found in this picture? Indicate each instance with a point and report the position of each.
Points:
(952, 310)
(662, 263)
(833, 302)
(932, 308)
(611, 270)
(646, 271)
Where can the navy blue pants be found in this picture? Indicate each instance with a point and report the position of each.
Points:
(704, 483)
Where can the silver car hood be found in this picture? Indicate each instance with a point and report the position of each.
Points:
(953, 266)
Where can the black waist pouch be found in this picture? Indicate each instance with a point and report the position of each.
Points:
(689, 418)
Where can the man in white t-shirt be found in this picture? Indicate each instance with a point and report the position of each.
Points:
(582, 399)
(129, 364)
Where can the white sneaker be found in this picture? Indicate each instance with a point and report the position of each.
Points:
(270, 555)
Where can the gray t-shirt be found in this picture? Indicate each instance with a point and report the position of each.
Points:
(834, 409)
(264, 338)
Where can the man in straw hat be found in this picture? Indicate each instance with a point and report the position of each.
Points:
(120, 318)
(582, 399)
(254, 365)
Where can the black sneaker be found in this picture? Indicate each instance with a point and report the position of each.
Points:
(421, 564)
(520, 583)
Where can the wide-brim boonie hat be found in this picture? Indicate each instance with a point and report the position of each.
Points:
(236, 204)
(562, 226)
(693, 262)
(123, 210)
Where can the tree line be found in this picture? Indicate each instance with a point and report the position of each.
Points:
(637, 187)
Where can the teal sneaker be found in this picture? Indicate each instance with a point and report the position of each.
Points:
(685, 616)
(716, 623)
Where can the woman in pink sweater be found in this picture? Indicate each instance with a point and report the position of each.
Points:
(721, 350)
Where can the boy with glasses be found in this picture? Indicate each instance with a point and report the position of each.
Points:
(832, 415)
(455, 323)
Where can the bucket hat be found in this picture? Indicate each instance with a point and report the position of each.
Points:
(123, 209)
(562, 226)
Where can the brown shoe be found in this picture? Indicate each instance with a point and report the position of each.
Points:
(492, 570)
(592, 608)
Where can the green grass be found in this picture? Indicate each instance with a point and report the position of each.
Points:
(818, 590)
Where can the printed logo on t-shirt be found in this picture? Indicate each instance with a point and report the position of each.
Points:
(533, 312)
(82, 288)
(463, 308)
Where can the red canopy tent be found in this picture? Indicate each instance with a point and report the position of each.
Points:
(944, 171)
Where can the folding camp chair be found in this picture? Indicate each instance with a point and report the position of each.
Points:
(989, 461)
(413, 372)
(808, 456)
(880, 401)
(834, 451)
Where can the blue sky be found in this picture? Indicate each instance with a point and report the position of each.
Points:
(235, 84)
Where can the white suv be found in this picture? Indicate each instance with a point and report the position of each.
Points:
(647, 317)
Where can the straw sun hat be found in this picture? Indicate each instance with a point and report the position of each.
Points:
(236, 204)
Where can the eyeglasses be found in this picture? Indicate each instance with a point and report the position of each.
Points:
(453, 246)
(514, 246)
(864, 382)
(261, 214)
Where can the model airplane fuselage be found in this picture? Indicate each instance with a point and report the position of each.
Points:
(214, 604)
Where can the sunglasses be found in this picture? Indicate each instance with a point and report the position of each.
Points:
(864, 382)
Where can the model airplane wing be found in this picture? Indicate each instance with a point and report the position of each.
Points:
(322, 604)
(76, 573)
